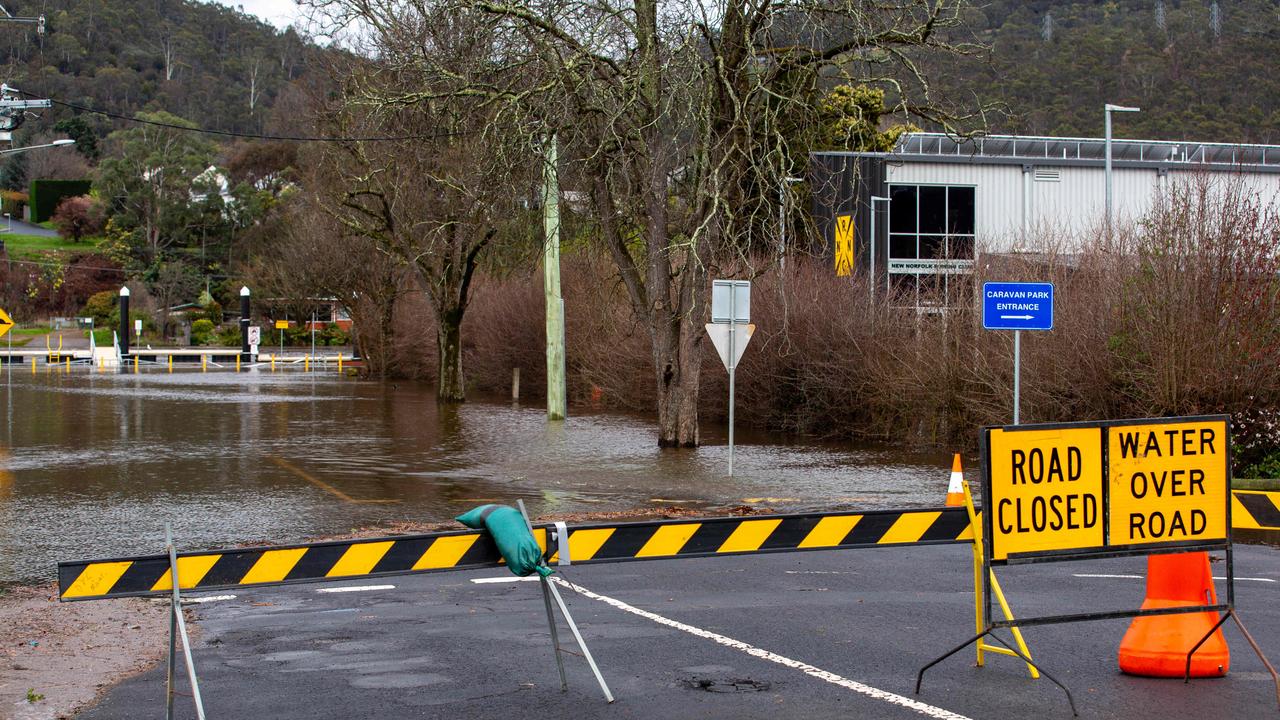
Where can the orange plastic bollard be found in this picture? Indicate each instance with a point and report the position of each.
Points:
(1157, 646)
(955, 488)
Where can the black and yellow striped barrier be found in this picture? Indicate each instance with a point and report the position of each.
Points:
(349, 559)
(596, 543)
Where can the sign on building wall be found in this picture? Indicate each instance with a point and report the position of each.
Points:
(844, 245)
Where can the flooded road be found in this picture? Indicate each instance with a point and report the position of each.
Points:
(93, 465)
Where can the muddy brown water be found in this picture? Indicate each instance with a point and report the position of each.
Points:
(93, 465)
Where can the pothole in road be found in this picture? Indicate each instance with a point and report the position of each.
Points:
(725, 685)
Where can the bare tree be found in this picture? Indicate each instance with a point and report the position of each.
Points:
(687, 115)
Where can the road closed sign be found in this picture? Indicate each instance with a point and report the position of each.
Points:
(1091, 488)
(1169, 482)
(1046, 490)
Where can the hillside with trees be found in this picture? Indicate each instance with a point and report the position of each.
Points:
(1199, 69)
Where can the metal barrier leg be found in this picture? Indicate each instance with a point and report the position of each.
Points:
(177, 620)
(555, 635)
(548, 586)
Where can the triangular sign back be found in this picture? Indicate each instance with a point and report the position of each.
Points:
(719, 334)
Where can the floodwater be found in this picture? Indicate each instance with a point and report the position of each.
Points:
(93, 465)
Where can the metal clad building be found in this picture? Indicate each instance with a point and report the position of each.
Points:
(949, 200)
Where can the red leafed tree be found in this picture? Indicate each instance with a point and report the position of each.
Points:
(77, 217)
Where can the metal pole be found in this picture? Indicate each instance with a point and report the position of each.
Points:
(1017, 373)
(733, 336)
(564, 610)
(313, 335)
(1107, 113)
(546, 601)
(176, 617)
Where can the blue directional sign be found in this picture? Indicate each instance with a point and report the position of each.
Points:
(1017, 306)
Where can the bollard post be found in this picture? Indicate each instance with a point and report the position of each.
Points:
(306, 364)
(170, 362)
(68, 363)
(273, 362)
(515, 384)
(244, 323)
(135, 364)
(237, 363)
(204, 363)
(339, 363)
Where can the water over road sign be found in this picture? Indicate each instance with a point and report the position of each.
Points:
(1017, 306)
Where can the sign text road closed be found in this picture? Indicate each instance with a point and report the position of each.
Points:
(1168, 482)
(1017, 306)
(1110, 487)
(1046, 490)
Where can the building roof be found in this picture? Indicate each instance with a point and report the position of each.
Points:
(1018, 149)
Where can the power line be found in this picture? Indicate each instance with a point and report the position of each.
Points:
(251, 136)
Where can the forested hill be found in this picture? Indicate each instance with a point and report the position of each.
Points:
(202, 61)
(1199, 69)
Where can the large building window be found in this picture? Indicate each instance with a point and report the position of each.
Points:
(931, 233)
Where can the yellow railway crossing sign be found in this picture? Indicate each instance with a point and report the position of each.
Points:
(6, 323)
(1106, 488)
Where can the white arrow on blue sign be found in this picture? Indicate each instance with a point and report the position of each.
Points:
(1017, 306)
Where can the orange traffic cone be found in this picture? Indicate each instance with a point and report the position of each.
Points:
(955, 489)
(1157, 646)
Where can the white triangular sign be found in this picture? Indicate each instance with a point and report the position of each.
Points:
(719, 334)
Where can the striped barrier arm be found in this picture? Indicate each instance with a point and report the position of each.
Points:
(592, 543)
(595, 543)
(1255, 510)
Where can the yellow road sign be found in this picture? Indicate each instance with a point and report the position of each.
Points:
(844, 245)
(1168, 482)
(282, 324)
(1046, 490)
(6, 323)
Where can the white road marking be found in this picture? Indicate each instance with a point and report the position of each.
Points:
(208, 598)
(1143, 577)
(872, 692)
(504, 579)
(357, 588)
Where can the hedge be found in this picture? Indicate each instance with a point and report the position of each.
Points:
(46, 194)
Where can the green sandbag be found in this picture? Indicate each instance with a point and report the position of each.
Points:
(510, 533)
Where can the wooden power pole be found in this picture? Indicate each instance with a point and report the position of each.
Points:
(556, 401)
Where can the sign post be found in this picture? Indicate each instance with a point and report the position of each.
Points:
(730, 331)
(281, 325)
(6, 324)
(1017, 306)
(253, 340)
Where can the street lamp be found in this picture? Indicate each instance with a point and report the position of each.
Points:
(871, 274)
(55, 143)
(1108, 109)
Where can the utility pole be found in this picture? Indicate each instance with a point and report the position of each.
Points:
(556, 401)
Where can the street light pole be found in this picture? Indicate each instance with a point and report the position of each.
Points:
(871, 269)
(1107, 110)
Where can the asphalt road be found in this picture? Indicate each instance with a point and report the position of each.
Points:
(800, 635)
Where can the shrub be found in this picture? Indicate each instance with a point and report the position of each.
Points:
(100, 306)
(201, 332)
(78, 217)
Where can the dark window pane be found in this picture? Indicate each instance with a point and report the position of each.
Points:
(931, 289)
(933, 210)
(930, 246)
(902, 246)
(960, 247)
(902, 208)
(960, 212)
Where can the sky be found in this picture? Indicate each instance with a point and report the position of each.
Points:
(280, 13)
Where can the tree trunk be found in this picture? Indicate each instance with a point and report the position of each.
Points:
(677, 360)
(450, 386)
